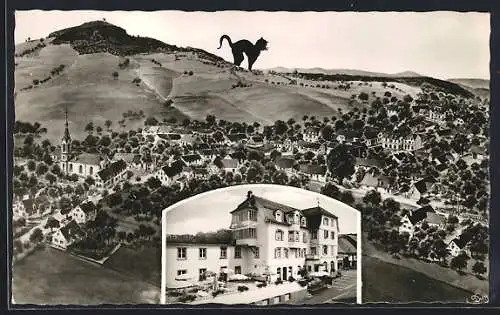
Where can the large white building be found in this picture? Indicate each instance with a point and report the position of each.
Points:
(269, 239)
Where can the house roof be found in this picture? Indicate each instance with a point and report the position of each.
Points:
(253, 202)
(87, 158)
(420, 214)
(88, 207)
(112, 170)
(285, 162)
(313, 169)
(170, 136)
(369, 180)
(191, 157)
(318, 211)
(434, 218)
(127, 157)
(28, 204)
(236, 136)
(370, 162)
(309, 145)
(347, 244)
(71, 229)
(226, 163)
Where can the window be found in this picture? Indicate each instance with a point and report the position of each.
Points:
(304, 237)
(223, 252)
(202, 274)
(91, 170)
(314, 235)
(80, 169)
(333, 222)
(237, 270)
(325, 221)
(290, 236)
(252, 215)
(237, 252)
(181, 252)
(303, 221)
(285, 252)
(203, 253)
(297, 236)
(277, 253)
(256, 252)
(288, 296)
(279, 235)
(325, 233)
(278, 272)
(303, 252)
(332, 234)
(313, 251)
(181, 272)
(332, 250)
(71, 167)
(278, 216)
(325, 250)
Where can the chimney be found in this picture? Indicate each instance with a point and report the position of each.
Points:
(249, 194)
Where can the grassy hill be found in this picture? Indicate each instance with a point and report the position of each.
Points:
(198, 83)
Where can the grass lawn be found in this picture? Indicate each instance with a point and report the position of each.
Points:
(143, 263)
(386, 282)
(50, 276)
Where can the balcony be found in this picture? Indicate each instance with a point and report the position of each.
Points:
(247, 241)
(312, 257)
(243, 224)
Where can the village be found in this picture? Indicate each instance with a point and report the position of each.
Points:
(428, 155)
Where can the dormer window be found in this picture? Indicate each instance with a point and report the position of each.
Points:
(325, 221)
(303, 221)
(278, 216)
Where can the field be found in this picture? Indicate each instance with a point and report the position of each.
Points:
(144, 264)
(50, 276)
(386, 282)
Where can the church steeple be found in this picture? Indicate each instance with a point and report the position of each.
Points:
(66, 137)
(66, 142)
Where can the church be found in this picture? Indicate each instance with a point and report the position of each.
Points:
(81, 164)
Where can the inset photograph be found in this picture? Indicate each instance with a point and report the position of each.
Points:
(261, 245)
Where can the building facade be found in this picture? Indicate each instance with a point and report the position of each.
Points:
(271, 240)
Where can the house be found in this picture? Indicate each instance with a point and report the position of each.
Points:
(311, 134)
(227, 164)
(237, 138)
(314, 172)
(304, 146)
(170, 138)
(67, 235)
(112, 174)
(415, 218)
(421, 188)
(347, 136)
(347, 251)
(150, 131)
(395, 143)
(435, 219)
(376, 181)
(169, 174)
(286, 164)
(436, 116)
(84, 213)
(28, 205)
(366, 164)
(457, 246)
(192, 159)
(208, 154)
(255, 142)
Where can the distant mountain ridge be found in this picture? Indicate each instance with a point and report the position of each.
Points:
(353, 72)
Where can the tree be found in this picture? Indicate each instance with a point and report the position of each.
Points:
(151, 121)
(330, 190)
(51, 178)
(89, 127)
(108, 124)
(41, 169)
(65, 205)
(459, 262)
(347, 197)
(153, 183)
(36, 236)
(478, 268)
(340, 162)
(31, 165)
(372, 197)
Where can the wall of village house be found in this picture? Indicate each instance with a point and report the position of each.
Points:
(59, 240)
(192, 263)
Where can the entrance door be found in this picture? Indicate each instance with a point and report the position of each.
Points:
(284, 273)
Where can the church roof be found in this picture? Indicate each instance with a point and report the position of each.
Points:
(87, 158)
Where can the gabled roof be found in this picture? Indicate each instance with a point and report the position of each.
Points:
(170, 136)
(370, 162)
(285, 162)
(87, 158)
(309, 145)
(420, 214)
(70, 230)
(318, 211)
(313, 169)
(434, 218)
(225, 163)
(112, 170)
(127, 157)
(88, 207)
(255, 201)
(191, 157)
(347, 244)
(174, 168)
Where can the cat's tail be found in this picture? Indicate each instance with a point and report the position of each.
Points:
(228, 40)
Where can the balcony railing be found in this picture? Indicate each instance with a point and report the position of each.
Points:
(247, 241)
(312, 257)
(243, 224)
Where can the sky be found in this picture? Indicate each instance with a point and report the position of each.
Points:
(439, 44)
(211, 211)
